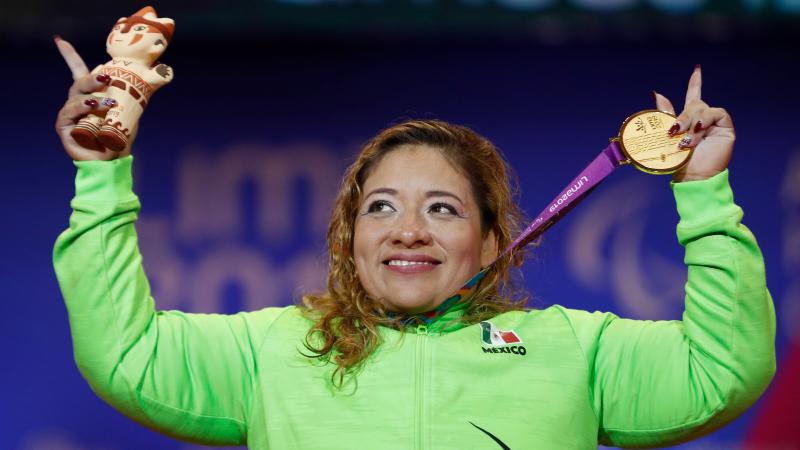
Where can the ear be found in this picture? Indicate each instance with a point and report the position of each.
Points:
(488, 249)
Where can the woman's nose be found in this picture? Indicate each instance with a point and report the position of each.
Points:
(411, 231)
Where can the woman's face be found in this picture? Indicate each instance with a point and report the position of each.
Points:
(418, 231)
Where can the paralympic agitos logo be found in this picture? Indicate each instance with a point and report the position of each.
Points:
(500, 341)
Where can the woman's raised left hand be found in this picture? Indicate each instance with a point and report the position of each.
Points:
(710, 132)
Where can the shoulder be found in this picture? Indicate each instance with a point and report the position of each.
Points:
(556, 314)
(283, 320)
(274, 315)
(579, 317)
(271, 321)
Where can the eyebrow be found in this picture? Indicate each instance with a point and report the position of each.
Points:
(428, 194)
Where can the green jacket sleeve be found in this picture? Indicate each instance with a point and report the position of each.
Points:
(190, 376)
(665, 382)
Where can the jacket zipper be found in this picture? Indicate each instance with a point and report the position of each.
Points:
(422, 332)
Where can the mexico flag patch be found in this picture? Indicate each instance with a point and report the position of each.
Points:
(491, 335)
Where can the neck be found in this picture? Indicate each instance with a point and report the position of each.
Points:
(448, 311)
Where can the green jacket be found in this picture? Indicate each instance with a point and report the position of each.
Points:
(556, 378)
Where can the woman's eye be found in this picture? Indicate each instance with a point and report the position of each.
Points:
(443, 208)
(380, 206)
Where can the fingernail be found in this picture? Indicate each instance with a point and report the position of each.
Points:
(698, 126)
(685, 141)
(655, 98)
(697, 67)
(108, 101)
(91, 102)
(56, 37)
(103, 78)
(674, 128)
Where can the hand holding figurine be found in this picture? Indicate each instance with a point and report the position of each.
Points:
(104, 127)
(87, 95)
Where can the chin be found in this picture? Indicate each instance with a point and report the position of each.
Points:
(411, 305)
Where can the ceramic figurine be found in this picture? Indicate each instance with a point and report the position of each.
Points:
(135, 43)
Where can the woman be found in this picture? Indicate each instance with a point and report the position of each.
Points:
(388, 357)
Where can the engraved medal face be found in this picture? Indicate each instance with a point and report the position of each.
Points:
(645, 140)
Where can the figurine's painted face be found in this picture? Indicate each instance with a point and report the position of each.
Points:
(140, 41)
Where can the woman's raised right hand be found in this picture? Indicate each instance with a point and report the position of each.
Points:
(85, 96)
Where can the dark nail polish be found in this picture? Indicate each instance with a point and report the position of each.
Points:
(103, 78)
(56, 37)
(697, 67)
(655, 98)
(91, 102)
(698, 126)
(674, 129)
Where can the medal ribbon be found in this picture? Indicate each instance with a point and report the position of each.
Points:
(609, 159)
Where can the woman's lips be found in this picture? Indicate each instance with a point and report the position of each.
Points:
(411, 264)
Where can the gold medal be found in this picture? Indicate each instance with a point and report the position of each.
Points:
(645, 141)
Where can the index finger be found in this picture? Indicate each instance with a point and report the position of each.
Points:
(695, 83)
(73, 59)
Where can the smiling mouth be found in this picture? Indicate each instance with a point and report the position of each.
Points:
(403, 263)
(411, 265)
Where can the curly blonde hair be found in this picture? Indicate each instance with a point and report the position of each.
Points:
(345, 317)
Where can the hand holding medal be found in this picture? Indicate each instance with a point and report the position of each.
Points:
(710, 133)
(695, 145)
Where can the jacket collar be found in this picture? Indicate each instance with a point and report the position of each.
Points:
(444, 318)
